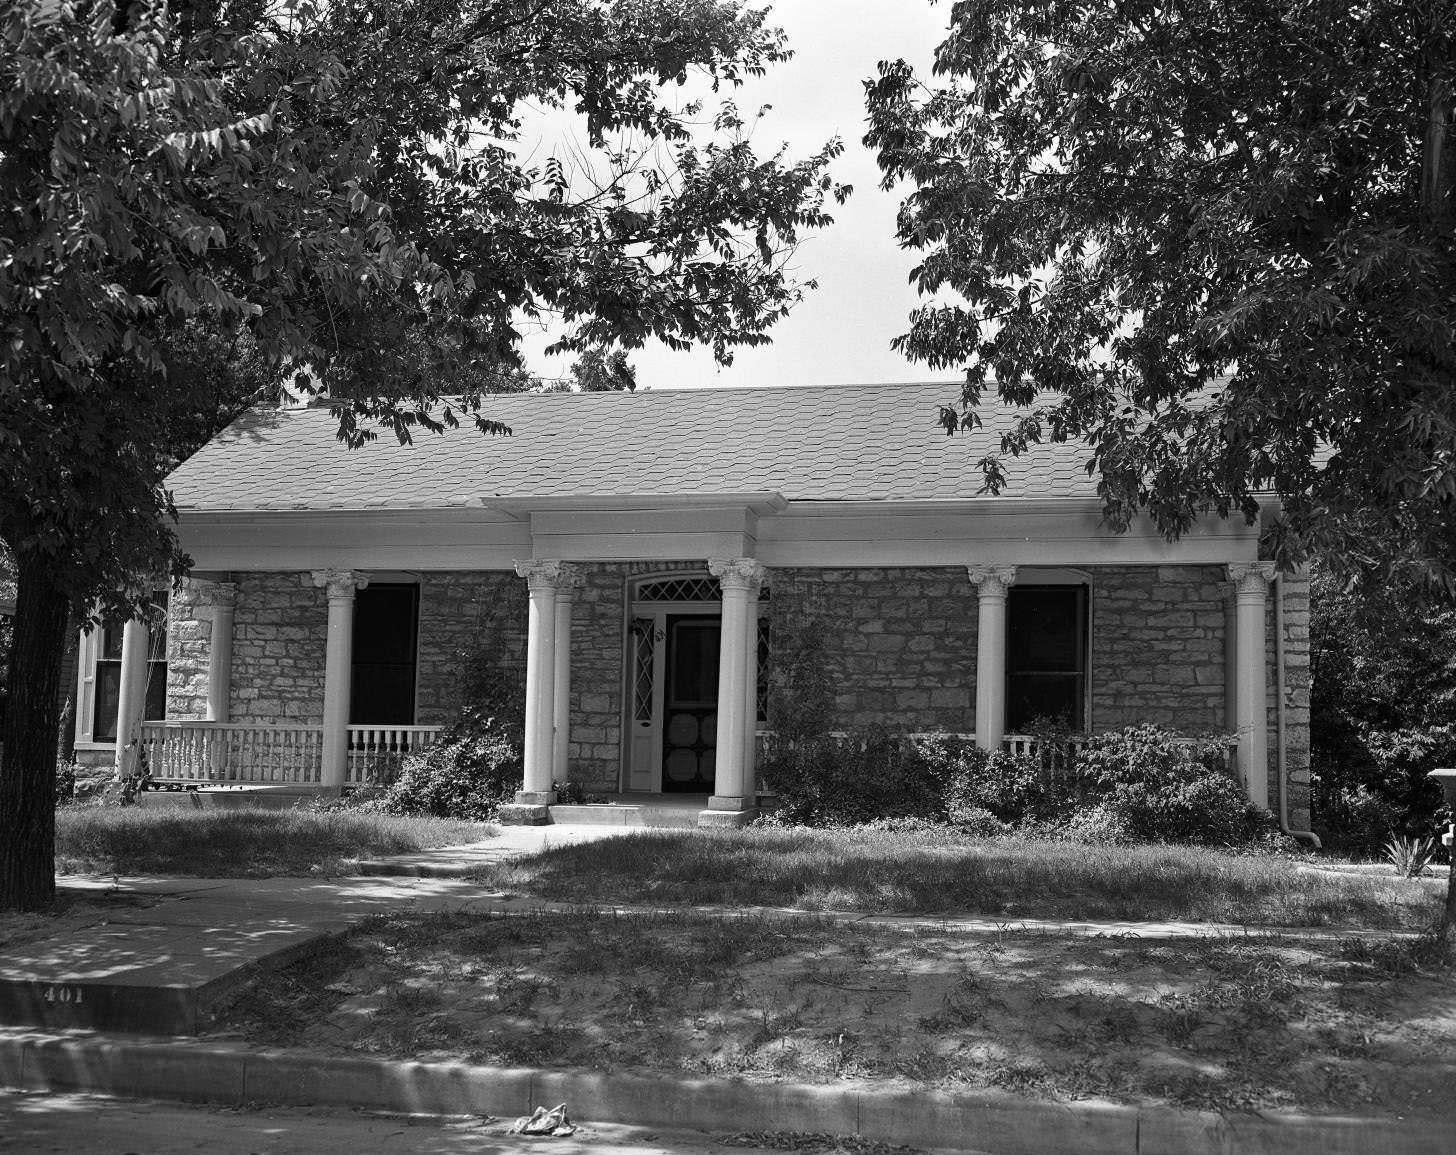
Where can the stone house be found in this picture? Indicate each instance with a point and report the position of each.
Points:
(634, 554)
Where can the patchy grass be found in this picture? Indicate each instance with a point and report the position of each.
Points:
(243, 843)
(933, 872)
(1220, 1022)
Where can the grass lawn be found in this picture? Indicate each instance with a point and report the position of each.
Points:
(1242, 1023)
(933, 872)
(243, 843)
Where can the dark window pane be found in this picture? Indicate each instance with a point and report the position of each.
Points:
(1042, 629)
(1046, 697)
(108, 695)
(156, 691)
(386, 630)
(693, 660)
(1046, 655)
(109, 645)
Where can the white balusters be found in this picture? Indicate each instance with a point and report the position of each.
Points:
(186, 751)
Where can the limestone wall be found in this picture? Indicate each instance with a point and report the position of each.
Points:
(1158, 647)
(461, 613)
(279, 635)
(900, 643)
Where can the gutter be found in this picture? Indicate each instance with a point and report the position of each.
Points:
(1282, 761)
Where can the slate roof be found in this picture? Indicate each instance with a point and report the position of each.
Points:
(851, 442)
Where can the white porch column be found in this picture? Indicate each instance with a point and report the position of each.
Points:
(568, 582)
(739, 579)
(224, 596)
(1228, 591)
(131, 698)
(993, 583)
(750, 690)
(1251, 586)
(542, 580)
(338, 670)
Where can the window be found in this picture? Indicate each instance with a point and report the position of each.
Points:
(106, 697)
(386, 637)
(1046, 655)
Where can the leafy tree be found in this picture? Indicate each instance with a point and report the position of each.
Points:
(339, 185)
(1215, 242)
(1123, 203)
(598, 371)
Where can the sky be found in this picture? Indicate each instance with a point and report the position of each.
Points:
(841, 333)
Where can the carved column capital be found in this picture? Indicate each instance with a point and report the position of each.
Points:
(212, 595)
(737, 573)
(340, 583)
(223, 595)
(1251, 577)
(549, 575)
(992, 580)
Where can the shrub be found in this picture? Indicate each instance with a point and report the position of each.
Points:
(843, 781)
(1098, 825)
(1356, 820)
(976, 822)
(474, 767)
(1160, 787)
(1010, 787)
(65, 781)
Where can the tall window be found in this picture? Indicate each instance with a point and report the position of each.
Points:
(108, 677)
(1046, 655)
(386, 635)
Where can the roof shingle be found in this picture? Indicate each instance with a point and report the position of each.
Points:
(829, 443)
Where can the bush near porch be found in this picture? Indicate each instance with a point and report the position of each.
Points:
(1139, 784)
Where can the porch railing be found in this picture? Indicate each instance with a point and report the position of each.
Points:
(376, 753)
(187, 751)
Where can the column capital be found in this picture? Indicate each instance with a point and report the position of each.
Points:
(214, 595)
(1251, 577)
(992, 580)
(552, 575)
(737, 573)
(340, 583)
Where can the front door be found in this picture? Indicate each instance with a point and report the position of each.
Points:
(690, 704)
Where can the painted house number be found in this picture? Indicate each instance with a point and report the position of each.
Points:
(55, 994)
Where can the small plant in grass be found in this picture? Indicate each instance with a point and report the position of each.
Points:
(1410, 856)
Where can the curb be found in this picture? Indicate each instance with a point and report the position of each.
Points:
(983, 1121)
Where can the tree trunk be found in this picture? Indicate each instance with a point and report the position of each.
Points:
(28, 764)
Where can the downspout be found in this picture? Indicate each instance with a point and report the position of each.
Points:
(1282, 759)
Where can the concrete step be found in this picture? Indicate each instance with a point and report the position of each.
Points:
(157, 979)
(622, 814)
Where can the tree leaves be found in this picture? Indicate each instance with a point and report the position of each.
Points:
(1214, 206)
